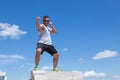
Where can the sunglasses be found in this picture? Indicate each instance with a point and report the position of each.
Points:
(46, 20)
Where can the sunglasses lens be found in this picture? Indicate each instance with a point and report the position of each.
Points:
(46, 20)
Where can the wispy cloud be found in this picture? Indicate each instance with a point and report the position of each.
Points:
(12, 31)
(15, 56)
(116, 77)
(81, 60)
(25, 65)
(105, 54)
(65, 49)
(93, 74)
(10, 58)
(47, 68)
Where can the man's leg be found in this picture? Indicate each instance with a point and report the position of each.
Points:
(55, 60)
(37, 56)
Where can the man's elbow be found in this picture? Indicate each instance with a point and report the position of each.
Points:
(37, 24)
(54, 32)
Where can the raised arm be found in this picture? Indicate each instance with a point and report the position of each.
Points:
(40, 27)
(53, 28)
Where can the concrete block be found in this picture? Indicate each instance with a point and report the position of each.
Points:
(49, 75)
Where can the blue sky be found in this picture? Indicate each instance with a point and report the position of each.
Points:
(87, 39)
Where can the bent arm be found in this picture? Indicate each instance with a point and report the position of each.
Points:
(40, 27)
(53, 28)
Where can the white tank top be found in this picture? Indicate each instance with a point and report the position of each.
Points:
(44, 36)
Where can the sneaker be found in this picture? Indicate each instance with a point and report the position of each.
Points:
(36, 68)
(56, 70)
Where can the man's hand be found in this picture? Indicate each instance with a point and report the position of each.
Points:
(53, 29)
(38, 18)
(50, 23)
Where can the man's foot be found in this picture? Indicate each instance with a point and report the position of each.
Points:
(56, 70)
(36, 68)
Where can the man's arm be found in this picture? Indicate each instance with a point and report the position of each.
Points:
(40, 27)
(53, 28)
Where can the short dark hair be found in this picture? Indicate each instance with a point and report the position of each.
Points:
(45, 17)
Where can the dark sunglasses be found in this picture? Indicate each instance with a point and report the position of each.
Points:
(46, 20)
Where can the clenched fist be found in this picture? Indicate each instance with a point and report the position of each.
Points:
(50, 23)
(38, 18)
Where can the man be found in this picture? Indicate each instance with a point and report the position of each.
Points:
(45, 42)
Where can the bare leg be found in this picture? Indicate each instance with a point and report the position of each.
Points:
(55, 60)
(37, 56)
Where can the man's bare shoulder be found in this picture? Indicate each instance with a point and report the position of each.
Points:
(42, 25)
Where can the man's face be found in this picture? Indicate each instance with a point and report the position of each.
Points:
(46, 21)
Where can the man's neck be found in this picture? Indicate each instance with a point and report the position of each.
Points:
(45, 25)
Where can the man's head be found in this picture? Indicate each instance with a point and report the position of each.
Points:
(45, 20)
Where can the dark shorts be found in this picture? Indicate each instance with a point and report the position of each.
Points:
(48, 48)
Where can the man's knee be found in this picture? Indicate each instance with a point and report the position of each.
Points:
(56, 55)
(39, 50)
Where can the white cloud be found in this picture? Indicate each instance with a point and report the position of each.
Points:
(9, 58)
(93, 74)
(26, 65)
(12, 31)
(116, 77)
(15, 56)
(65, 49)
(46, 67)
(81, 60)
(105, 54)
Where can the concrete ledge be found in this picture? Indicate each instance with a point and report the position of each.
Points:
(49, 75)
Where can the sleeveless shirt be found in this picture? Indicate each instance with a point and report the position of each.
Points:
(44, 36)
